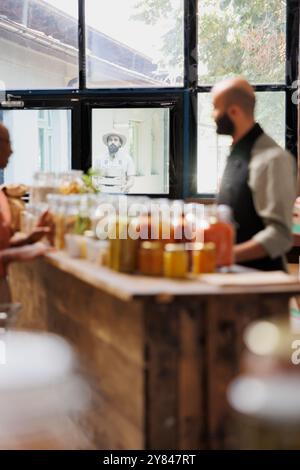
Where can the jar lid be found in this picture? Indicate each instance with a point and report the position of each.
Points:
(89, 234)
(175, 247)
(150, 245)
(209, 246)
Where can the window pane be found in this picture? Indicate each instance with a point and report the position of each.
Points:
(134, 43)
(242, 37)
(143, 155)
(39, 44)
(33, 144)
(213, 149)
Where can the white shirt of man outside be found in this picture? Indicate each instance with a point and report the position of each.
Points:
(115, 170)
(116, 165)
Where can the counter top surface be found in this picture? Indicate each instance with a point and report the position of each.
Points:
(128, 287)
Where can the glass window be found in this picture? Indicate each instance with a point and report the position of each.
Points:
(241, 37)
(213, 149)
(33, 143)
(134, 43)
(142, 153)
(39, 44)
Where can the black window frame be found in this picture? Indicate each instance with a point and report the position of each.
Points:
(182, 101)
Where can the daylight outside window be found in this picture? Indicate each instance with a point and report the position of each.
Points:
(41, 141)
(134, 43)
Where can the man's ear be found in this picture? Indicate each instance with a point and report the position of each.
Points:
(233, 111)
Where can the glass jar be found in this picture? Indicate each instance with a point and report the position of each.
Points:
(70, 182)
(176, 260)
(72, 215)
(29, 217)
(83, 220)
(204, 258)
(75, 245)
(122, 248)
(97, 251)
(161, 220)
(99, 210)
(57, 209)
(44, 183)
(219, 229)
(151, 258)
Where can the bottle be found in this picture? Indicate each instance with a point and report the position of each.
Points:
(219, 229)
(123, 248)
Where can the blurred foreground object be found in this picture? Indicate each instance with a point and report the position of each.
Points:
(8, 314)
(15, 194)
(267, 411)
(40, 390)
(265, 399)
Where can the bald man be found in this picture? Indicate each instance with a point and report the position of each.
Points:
(259, 181)
(10, 249)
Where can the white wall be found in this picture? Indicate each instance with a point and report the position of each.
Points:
(23, 68)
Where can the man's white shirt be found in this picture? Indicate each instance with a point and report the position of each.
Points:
(114, 170)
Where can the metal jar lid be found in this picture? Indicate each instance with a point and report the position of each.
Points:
(175, 247)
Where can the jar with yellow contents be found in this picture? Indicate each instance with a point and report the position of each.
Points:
(176, 260)
(57, 211)
(204, 260)
(123, 249)
(150, 259)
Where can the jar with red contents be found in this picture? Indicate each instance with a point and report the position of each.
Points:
(219, 229)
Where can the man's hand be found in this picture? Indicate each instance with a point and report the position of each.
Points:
(248, 251)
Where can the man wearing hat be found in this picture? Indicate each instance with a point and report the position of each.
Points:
(117, 167)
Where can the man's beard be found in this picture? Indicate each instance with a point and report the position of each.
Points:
(225, 126)
(113, 149)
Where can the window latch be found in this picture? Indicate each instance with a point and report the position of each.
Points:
(12, 101)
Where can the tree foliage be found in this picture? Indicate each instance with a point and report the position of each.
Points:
(234, 36)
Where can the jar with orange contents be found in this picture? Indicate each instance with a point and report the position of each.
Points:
(150, 260)
(219, 229)
(204, 258)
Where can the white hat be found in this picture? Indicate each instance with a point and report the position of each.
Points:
(113, 132)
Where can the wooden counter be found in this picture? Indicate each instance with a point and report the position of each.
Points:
(161, 353)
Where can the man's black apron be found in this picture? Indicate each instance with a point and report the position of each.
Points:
(236, 193)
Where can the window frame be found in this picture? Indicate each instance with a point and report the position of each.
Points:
(291, 75)
(183, 129)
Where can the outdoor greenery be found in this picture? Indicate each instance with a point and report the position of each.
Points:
(235, 37)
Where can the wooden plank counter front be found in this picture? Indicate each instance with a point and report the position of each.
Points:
(161, 353)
